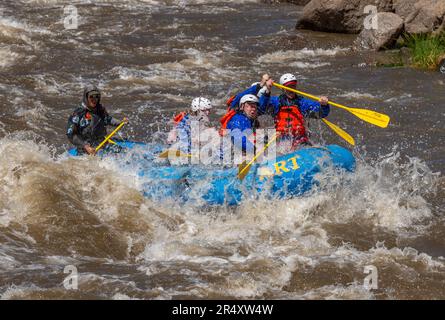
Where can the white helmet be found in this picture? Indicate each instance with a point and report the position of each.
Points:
(201, 103)
(287, 77)
(249, 98)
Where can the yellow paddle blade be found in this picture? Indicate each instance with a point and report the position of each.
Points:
(340, 132)
(373, 117)
(164, 154)
(378, 119)
(244, 168)
(110, 135)
(111, 141)
(176, 153)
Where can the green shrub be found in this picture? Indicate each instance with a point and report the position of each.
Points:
(426, 49)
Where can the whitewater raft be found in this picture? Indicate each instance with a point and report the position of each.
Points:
(287, 176)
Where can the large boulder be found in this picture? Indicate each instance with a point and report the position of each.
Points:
(421, 16)
(404, 8)
(389, 28)
(343, 16)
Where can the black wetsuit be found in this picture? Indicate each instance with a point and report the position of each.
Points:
(87, 126)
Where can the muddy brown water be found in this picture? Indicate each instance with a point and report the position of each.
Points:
(151, 58)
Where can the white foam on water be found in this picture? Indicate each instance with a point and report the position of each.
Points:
(182, 4)
(299, 221)
(251, 251)
(337, 292)
(121, 296)
(357, 95)
(33, 113)
(7, 261)
(20, 34)
(15, 292)
(8, 57)
(404, 96)
(195, 2)
(303, 54)
(308, 65)
(48, 84)
(9, 26)
(36, 113)
(188, 72)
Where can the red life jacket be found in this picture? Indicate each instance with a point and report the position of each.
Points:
(178, 118)
(229, 101)
(227, 117)
(225, 121)
(290, 121)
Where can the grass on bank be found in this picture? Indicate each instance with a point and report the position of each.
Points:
(427, 50)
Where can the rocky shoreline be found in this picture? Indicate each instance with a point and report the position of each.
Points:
(379, 24)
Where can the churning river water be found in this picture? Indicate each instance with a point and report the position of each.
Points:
(151, 58)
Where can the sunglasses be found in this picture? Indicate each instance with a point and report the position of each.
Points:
(94, 96)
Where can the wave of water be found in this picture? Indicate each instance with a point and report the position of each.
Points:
(151, 58)
(88, 212)
(302, 59)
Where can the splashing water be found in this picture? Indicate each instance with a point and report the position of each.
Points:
(260, 249)
(151, 58)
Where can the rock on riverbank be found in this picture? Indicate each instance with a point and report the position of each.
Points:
(392, 17)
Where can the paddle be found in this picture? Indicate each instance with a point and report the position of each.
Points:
(177, 153)
(244, 168)
(375, 118)
(110, 135)
(339, 131)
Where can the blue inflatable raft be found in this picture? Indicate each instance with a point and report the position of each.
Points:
(287, 176)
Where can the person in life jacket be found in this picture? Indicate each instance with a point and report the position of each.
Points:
(199, 111)
(290, 110)
(86, 127)
(233, 103)
(242, 124)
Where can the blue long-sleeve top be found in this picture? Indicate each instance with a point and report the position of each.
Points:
(308, 108)
(252, 90)
(237, 126)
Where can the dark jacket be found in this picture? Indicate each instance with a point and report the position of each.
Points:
(87, 126)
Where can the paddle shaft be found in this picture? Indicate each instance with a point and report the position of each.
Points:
(375, 118)
(110, 135)
(178, 153)
(242, 173)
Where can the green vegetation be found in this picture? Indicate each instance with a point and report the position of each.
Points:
(427, 50)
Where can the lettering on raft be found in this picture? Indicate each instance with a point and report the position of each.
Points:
(280, 166)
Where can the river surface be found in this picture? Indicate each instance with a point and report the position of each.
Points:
(151, 58)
